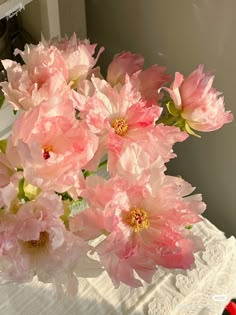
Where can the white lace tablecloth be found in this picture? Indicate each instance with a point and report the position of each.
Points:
(203, 291)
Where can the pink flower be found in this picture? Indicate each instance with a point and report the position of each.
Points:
(9, 181)
(141, 225)
(150, 81)
(122, 64)
(43, 75)
(134, 156)
(78, 57)
(41, 60)
(52, 150)
(147, 81)
(198, 103)
(112, 114)
(36, 242)
(6, 171)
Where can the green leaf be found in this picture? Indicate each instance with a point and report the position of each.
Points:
(100, 166)
(65, 196)
(190, 131)
(3, 145)
(21, 193)
(180, 123)
(2, 99)
(172, 109)
(167, 120)
(188, 227)
(78, 206)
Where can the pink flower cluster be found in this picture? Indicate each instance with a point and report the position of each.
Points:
(56, 211)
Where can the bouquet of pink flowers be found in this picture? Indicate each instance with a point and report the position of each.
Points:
(60, 219)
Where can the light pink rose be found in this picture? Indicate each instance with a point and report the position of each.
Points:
(198, 102)
(138, 224)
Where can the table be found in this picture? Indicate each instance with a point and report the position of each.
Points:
(205, 290)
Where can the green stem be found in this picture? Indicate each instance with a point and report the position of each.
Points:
(101, 165)
(21, 193)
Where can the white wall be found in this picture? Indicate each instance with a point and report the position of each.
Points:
(181, 34)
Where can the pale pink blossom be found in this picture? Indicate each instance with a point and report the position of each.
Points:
(122, 64)
(112, 113)
(35, 241)
(138, 224)
(78, 56)
(41, 60)
(43, 75)
(6, 170)
(52, 150)
(134, 156)
(199, 104)
(9, 181)
(148, 81)
(9, 193)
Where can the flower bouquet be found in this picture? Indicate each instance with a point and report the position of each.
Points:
(60, 219)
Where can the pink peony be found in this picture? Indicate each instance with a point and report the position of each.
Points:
(35, 241)
(9, 181)
(41, 60)
(141, 225)
(6, 171)
(147, 81)
(134, 156)
(122, 64)
(52, 150)
(112, 114)
(150, 81)
(78, 57)
(43, 75)
(198, 103)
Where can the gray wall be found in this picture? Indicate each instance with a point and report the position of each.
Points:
(181, 34)
(72, 17)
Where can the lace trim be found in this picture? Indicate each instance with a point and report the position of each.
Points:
(204, 290)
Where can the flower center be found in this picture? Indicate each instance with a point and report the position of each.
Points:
(137, 218)
(46, 151)
(41, 242)
(120, 125)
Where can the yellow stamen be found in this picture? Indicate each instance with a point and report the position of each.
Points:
(41, 242)
(137, 218)
(120, 125)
